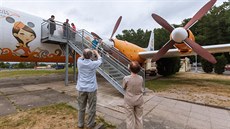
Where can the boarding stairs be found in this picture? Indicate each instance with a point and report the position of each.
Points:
(114, 66)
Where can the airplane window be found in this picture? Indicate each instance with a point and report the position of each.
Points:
(30, 24)
(10, 19)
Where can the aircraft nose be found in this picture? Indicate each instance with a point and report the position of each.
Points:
(179, 34)
(108, 44)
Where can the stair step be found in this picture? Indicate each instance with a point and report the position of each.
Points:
(119, 78)
(109, 68)
(113, 71)
(106, 65)
(116, 75)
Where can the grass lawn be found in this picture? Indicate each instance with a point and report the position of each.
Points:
(58, 116)
(31, 72)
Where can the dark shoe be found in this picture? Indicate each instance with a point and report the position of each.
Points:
(82, 127)
(91, 127)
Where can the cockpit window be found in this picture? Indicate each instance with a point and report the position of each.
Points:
(30, 24)
(10, 19)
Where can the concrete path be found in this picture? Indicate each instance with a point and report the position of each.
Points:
(159, 112)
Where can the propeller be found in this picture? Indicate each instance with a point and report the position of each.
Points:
(200, 51)
(200, 13)
(116, 26)
(180, 35)
(163, 50)
(108, 42)
(114, 29)
(162, 22)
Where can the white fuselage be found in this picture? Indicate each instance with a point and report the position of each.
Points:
(25, 45)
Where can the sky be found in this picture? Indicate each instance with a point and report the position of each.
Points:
(100, 16)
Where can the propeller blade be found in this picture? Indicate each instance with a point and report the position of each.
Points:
(163, 50)
(200, 14)
(200, 51)
(116, 26)
(95, 35)
(162, 22)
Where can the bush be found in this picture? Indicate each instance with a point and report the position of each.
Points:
(219, 67)
(206, 66)
(2, 65)
(168, 66)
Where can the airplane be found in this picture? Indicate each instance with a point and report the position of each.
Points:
(181, 38)
(20, 41)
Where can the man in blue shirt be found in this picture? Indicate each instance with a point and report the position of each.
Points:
(87, 86)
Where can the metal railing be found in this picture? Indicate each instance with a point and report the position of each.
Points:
(115, 64)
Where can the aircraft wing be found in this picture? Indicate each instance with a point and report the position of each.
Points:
(174, 52)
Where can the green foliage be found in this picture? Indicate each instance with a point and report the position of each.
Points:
(161, 36)
(30, 65)
(21, 65)
(42, 64)
(168, 66)
(2, 65)
(206, 66)
(219, 67)
(227, 55)
(214, 27)
(139, 37)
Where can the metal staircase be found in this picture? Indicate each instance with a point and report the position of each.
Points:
(111, 69)
(115, 64)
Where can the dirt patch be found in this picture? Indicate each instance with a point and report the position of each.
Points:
(209, 89)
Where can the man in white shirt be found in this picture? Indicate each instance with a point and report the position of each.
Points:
(87, 87)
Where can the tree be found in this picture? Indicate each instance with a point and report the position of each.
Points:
(168, 66)
(30, 65)
(139, 37)
(214, 27)
(206, 66)
(21, 65)
(227, 55)
(2, 65)
(219, 67)
(161, 36)
(7, 65)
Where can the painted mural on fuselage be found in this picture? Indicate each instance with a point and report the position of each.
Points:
(20, 39)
